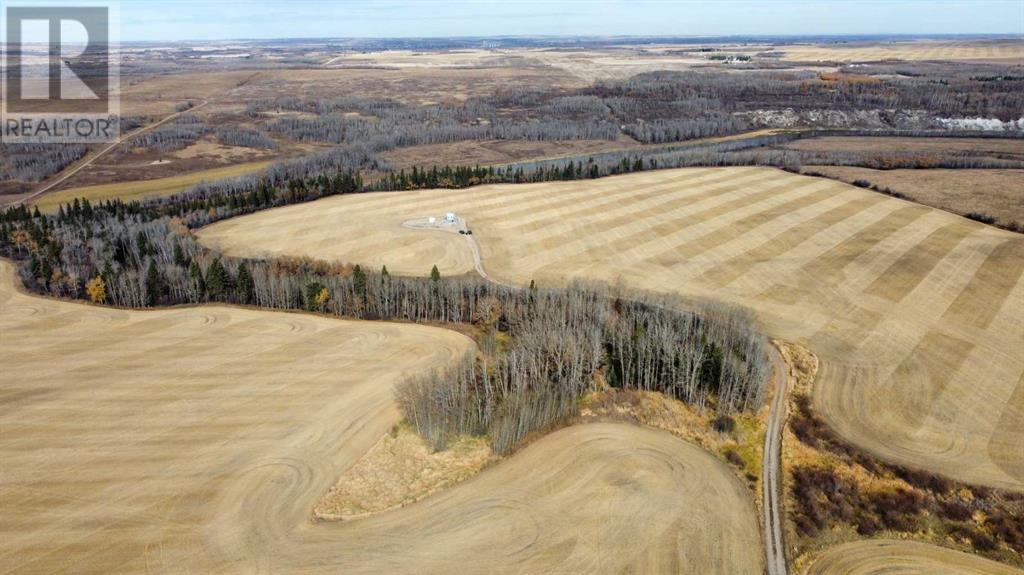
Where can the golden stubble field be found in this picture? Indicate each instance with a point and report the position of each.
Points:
(893, 557)
(917, 315)
(198, 440)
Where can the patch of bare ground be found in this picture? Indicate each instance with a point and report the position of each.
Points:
(401, 469)
(995, 193)
(836, 493)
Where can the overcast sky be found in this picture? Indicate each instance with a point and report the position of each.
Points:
(231, 19)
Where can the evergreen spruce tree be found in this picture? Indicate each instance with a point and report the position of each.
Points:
(218, 280)
(179, 256)
(154, 285)
(195, 275)
(359, 281)
(142, 243)
(245, 287)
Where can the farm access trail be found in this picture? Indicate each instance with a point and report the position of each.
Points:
(198, 439)
(916, 315)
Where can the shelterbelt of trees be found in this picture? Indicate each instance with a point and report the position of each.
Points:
(541, 348)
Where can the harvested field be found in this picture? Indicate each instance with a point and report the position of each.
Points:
(122, 456)
(993, 192)
(917, 315)
(1009, 50)
(143, 189)
(1006, 149)
(878, 556)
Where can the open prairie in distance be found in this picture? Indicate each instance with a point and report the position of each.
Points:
(917, 315)
(993, 50)
(890, 557)
(198, 439)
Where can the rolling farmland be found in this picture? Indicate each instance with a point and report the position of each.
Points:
(917, 315)
(198, 439)
(875, 557)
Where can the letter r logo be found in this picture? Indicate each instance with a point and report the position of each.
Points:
(57, 59)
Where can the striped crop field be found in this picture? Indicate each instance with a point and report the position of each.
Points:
(917, 315)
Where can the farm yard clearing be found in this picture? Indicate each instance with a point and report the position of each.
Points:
(907, 307)
(219, 471)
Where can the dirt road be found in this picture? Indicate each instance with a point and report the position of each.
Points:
(771, 473)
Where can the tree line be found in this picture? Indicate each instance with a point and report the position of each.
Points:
(558, 343)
